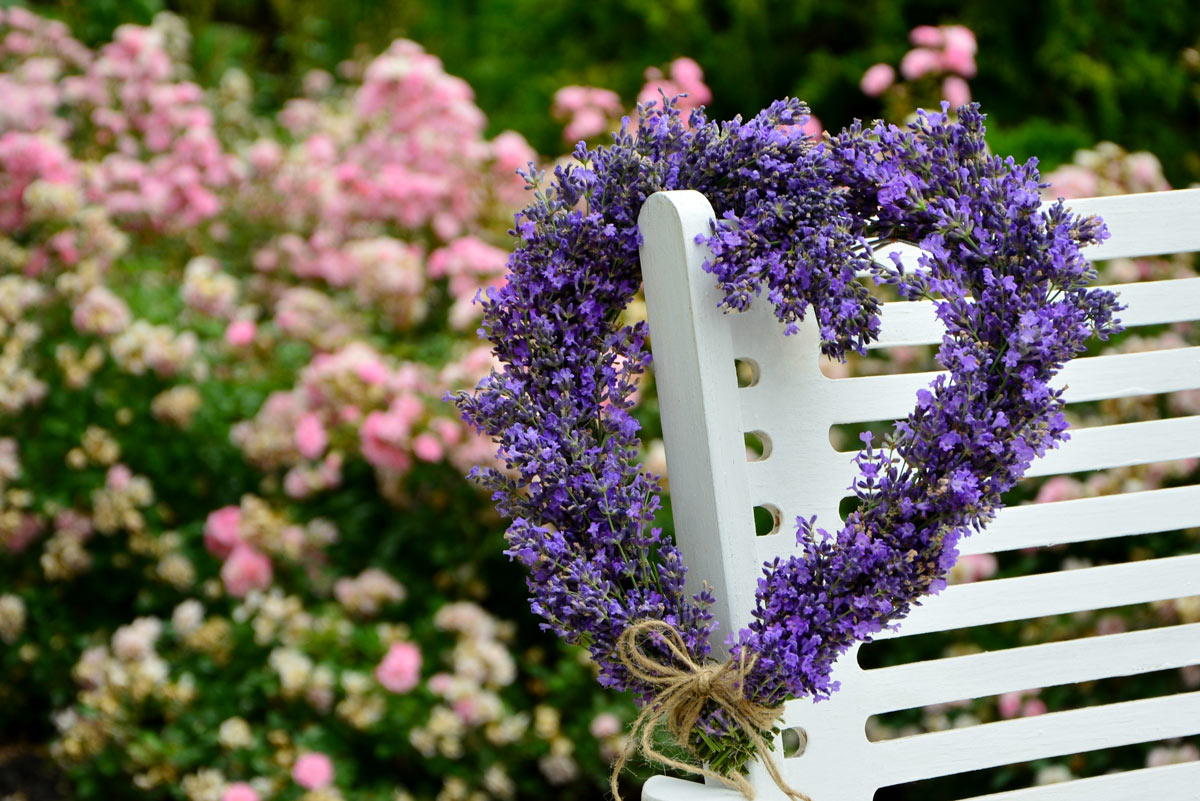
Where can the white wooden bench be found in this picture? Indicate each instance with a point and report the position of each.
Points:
(791, 406)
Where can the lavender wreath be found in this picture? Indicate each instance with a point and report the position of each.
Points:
(799, 218)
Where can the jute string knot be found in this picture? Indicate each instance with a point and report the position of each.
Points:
(683, 688)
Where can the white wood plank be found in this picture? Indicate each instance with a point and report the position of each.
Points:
(1005, 742)
(1088, 449)
(1164, 783)
(1000, 600)
(697, 384)
(1040, 524)
(1120, 445)
(1045, 665)
(1148, 224)
(1150, 303)
(891, 397)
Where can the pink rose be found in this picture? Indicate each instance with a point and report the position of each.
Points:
(606, 724)
(240, 791)
(246, 569)
(918, 62)
(428, 448)
(956, 91)
(221, 531)
(877, 79)
(240, 333)
(926, 36)
(959, 53)
(400, 669)
(384, 438)
(313, 771)
(311, 438)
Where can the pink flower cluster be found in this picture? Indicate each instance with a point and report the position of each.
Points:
(355, 399)
(588, 111)
(947, 51)
(684, 78)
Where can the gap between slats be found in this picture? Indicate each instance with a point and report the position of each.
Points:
(1005, 742)
(1025, 597)
(1046, 665)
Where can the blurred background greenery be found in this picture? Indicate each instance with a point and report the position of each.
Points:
(1054, 76)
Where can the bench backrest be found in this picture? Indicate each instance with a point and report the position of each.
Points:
(790, 405)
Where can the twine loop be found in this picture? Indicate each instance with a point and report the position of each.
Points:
(682, 689)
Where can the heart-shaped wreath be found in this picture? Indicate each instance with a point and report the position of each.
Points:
(800, 218)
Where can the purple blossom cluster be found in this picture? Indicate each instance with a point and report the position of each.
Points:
(799, 218)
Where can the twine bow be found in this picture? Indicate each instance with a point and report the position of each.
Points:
(683, 689)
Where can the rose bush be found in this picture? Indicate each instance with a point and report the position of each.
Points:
(238, 558)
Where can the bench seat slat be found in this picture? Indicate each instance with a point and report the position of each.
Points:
(1005, 742)
(1023, 668)
(1063, 592)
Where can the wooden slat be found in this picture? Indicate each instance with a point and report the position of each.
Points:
(1042, 524)
(1026, 597)
(1150, 303)
(890, 397)
(1149, 224)
(1088, 449)
(1165, 783)
(1005, 742)
(1121, 445)
(1045, 665)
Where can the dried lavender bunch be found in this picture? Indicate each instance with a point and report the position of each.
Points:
(798, 218)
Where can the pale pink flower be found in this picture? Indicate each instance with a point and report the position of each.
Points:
(1071, 181)
(919, 62)
(1009, 705)
(313, 770)
(1033, 707)
(606, 724)
(222, 531)
(926, 36)
(311, 438)
(246, 569)
(240, 791)
(240, 333)
(100, 312)
(956, 91)
(877, 79)
(118, 477)
(958, 55)
(1059, 488)
(400, 670)
(428, 448)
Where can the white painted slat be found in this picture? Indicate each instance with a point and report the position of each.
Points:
(890, 397)
(1005, 742)
(1088, 449)
(1038, 525)
(1121, 445)
(1149, 224)
(1165, 783)
(1046, 665)
(1000, 600)
(1172, 301)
